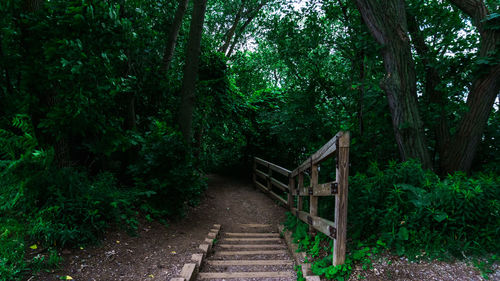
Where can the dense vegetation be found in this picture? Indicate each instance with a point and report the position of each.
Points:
(113, 110)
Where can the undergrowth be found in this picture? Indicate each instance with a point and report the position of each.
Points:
(412, 213)
(45, 206)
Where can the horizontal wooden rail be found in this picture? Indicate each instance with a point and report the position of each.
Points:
(322, 154)
(279, 184)
(273, 167)
(261, 174)
(322, 189)
(338, 146)
(323, 225)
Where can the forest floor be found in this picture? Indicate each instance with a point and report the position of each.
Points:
(159, 252)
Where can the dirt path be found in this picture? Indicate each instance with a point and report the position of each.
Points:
(159, 252)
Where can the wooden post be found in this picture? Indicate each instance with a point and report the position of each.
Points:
(299, 199)
(313, 200)
(339, 243)
(291, 187)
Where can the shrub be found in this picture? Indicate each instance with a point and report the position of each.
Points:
(415, 212)
(166, 172)
(12, 248)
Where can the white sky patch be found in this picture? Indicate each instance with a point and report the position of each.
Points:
(298, 5)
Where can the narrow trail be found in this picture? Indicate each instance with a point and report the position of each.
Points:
(159, 252)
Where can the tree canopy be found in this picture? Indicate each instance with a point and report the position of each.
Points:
(141, 98)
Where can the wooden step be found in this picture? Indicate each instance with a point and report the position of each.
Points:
(259, 252)
(252, 246)
(255, 225)
(214, 275)
(253, 239)
(245, 234)
(250, 262)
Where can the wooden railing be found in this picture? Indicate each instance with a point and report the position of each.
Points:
(338, 146)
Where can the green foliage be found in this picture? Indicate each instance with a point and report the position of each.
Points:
(485, 266)
(88, 133)
(12, 254)
(413, 213)
(321, 263)
(165, 172)
(418, 214)
(79, 208)
(300, 276)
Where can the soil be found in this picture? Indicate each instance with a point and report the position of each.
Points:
(390, 267)
(159, 252)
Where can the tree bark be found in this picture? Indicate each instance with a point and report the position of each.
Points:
(174, 32)
(191, 70)
(253, 14)
(386, 20)
(230, 32)
(462, 147)
(435, 97)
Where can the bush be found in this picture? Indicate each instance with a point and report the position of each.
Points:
(58, 206)
(12, 249)
(166, 172)
(415, 212)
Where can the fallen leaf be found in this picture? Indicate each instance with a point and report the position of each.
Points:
(34, 247)
(67, 277)
(81, 248)
(117, 242)
(173, 252)
(151, 276)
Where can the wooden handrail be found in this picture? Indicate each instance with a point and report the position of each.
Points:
(272, 166)
(319, 156)
(339, 146)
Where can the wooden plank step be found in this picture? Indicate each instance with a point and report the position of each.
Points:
(276, 274)
(253, 239)
(252, 246)
(255, 225)
(250, 262)
(252, 234)
(259, 252)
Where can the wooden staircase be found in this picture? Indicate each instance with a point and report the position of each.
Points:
(254, 252)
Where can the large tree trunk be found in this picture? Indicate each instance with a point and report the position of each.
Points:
(386, 20)
(462, 147)
(191, 70)
(174, 32)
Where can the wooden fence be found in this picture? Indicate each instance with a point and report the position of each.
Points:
(338, 146)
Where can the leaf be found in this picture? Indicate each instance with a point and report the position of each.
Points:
(440, 216)
(66, 277)
(403, 233)
(34, 247)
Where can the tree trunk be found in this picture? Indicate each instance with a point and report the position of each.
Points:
(462, 147)
(242, 29)
(174, 32)
(191, 70)
(386, 20)
(435, 97)
(230, 32)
